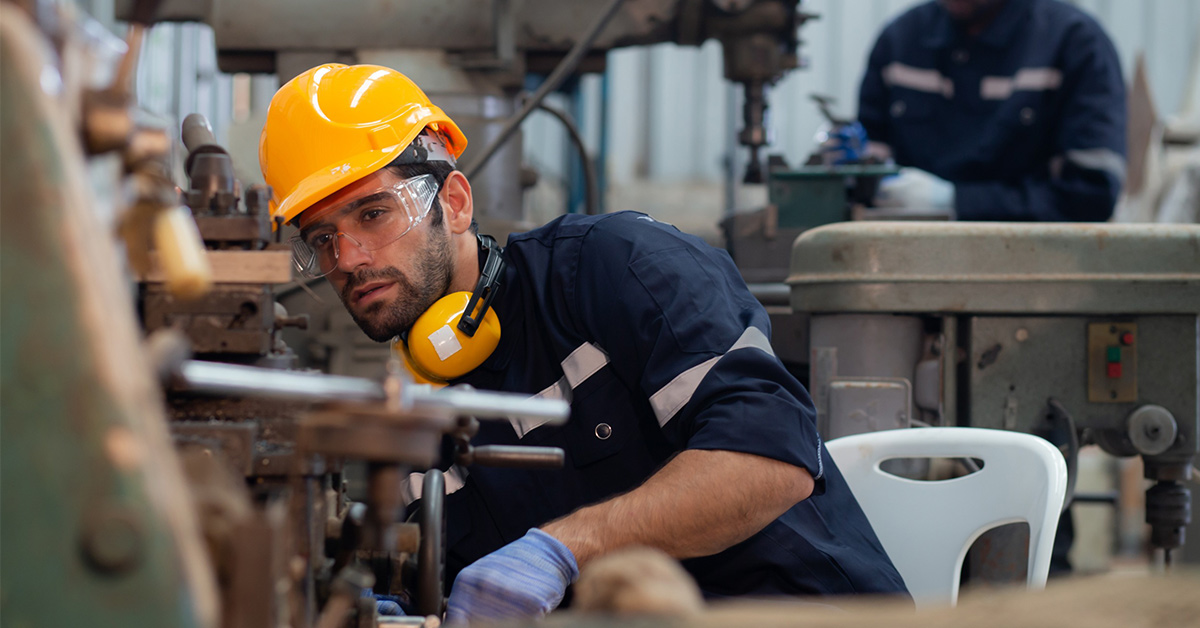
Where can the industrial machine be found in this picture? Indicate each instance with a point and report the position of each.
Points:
(247, 520)
(472, 58)
(1082, 333)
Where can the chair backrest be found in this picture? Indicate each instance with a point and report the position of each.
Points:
(926, 527)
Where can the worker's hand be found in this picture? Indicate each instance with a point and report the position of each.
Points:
(522, 580)
(915, 189)
(842, 143)
(385, 604)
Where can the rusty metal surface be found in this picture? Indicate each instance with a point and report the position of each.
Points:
(997, 267)
(231, 319)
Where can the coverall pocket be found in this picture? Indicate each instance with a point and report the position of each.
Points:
(596, 429)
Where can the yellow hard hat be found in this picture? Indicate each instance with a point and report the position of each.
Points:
(336, 124)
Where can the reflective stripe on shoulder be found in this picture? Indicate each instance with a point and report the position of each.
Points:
(671, 398)
(455, 477)
(1101, 159)
(583, 363)
(920, 79)
(1025, 80)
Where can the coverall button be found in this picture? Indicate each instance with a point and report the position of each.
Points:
(1027, 116)
(603, 431)
(960, 56)
(897, 108)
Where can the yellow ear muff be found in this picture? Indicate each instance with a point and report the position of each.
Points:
(419, 376)
(438, 349)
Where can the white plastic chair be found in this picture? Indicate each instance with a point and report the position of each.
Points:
(926, 527)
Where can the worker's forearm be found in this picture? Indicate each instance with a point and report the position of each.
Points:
(699, 503)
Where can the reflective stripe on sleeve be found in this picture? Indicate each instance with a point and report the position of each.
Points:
(671, 398)
(920, 79)
(455, 477)
(1101, 159)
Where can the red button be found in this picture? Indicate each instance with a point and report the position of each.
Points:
(1114, 370)
(1127, 338)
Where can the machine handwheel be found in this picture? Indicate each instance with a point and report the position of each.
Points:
(431, 555)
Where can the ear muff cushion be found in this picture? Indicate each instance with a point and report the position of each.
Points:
(439, 348)
(419, 376)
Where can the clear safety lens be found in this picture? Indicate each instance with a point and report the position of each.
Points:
(371, 221)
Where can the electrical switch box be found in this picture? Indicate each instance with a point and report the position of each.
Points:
(1112, 362)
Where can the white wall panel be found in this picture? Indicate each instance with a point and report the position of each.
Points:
(836, 46)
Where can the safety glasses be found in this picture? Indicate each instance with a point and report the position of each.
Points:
(370, 221)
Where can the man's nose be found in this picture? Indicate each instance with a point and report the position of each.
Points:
(351, 254)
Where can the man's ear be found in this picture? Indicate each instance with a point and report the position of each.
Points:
(457, 206)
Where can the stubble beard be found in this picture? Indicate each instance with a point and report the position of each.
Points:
(384, 320)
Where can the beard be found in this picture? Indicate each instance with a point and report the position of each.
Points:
(384, 320)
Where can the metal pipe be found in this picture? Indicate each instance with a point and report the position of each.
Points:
(197, 132)
(492, 405)
(552, 82)
(247, 381)
(771, 293)
(592, 204)
(517, 457)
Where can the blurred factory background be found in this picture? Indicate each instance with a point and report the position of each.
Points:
(1098, 322)
(661, 119)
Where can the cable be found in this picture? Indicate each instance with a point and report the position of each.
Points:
(552, 82)
(592, 202)
(1071, 455)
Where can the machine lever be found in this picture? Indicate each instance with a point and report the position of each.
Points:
(512, 456)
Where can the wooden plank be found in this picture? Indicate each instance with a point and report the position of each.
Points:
(239, 267)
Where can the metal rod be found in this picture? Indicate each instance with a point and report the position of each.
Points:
(517, 456)
(492, 405)
(771, 293)
(247, 381)
(399, 620)
(560, 73)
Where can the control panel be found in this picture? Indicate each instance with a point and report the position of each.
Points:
(1112, 362)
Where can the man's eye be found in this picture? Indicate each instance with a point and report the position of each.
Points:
(320, 241)
(373, 213)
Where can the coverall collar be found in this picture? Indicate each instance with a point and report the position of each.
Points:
(944, 33)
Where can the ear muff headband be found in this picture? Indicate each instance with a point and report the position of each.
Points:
(486, 287)
(459, 331)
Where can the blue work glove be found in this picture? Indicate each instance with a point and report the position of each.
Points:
(524, 579)
(915, 189)
(843, 143)
(385, 604)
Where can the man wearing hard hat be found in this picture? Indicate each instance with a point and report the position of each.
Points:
(686, 432)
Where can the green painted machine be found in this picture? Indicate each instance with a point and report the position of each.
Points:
(98, 527)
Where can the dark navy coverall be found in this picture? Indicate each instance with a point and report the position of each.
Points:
(656, 342)
(1027, 120)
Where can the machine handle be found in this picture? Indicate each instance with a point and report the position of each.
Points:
(197, 132)
(513, 456)
(490, 405)
(249, 381)
(181, 253)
